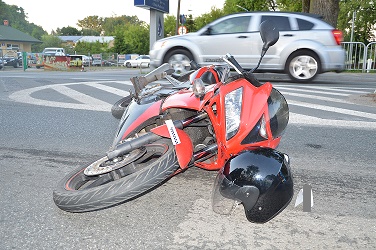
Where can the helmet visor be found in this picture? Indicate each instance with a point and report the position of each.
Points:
(223, 201)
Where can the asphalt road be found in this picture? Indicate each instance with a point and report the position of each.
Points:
(331, 148)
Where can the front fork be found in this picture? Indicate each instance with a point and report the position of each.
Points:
(161, 132)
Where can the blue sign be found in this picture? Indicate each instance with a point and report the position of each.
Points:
(161, 5)
(160, 29)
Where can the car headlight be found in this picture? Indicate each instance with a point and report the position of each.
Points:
(233, 107)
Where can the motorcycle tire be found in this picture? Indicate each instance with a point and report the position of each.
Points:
(77, 192)
(119, 107)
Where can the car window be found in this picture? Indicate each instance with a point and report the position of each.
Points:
(281, 22)
(231, 25)
(304, 24)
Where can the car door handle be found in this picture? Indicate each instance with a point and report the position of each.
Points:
(242, 36)
(290, 35)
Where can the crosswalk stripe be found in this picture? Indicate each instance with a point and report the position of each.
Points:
(300, 119)
(333, 109)
(308, 93)
(25, 97)
(83, 98)
(109, 89)
(314, 91)
(322, 98)
(329, 89)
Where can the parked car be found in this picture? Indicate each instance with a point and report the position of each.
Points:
(140, 61)
(307, 45)
(13, 61)
(103, 63)
(54, 52)
(79, 60)
(1, 63)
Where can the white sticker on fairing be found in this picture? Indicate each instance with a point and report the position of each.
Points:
(173, 133)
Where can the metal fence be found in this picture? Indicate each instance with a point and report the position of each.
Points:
(360, 57)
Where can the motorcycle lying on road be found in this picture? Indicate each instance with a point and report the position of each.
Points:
(214, 121)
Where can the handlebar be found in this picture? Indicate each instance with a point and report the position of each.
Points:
(247, 74)
(157, 73)
(232, 61)
(140, 82)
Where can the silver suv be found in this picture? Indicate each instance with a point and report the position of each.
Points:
(307, 45)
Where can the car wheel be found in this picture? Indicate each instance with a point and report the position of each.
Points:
(128, 65)
(179, 60)
(303, 66)
(16, 65)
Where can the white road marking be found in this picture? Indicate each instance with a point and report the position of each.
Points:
(333, 109)
(90, 103)
(87, 102)
(314, 91)
(310, 120)
(352, 90)
(109, 89)
(78, 96)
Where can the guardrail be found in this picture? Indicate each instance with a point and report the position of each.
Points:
(360, 57)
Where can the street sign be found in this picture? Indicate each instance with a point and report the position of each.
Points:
(182, 30)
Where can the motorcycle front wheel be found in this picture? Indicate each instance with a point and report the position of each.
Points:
(78, 192)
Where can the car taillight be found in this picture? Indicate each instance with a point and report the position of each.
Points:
(338, 36)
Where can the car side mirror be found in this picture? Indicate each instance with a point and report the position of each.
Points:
(269, 34)
(208, 31)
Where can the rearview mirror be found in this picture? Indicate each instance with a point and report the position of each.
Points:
(269, 34)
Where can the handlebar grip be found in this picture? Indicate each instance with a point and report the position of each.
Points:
(234, 63)
(194, 65)
(157, 73)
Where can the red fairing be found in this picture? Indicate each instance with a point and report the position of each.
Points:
(184, 149)
(150, 112)
(254, 106)
(183, 99)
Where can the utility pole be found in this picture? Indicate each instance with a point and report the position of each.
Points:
(177, 18)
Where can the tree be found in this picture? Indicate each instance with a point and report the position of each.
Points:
(18, 19)
(234, 6)
(329, 9)
(169, 25)
(132, 38)
(90, 47)
(364, 25)
(48, 41)
(68, 31)
(292, 5)
(91, 23)
(90, 32)
(206, 18)
(110, 24)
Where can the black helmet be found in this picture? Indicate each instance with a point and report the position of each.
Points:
(260, 179)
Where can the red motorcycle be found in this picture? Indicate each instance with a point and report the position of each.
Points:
(215, 121)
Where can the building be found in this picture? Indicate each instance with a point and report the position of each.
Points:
(14, 40)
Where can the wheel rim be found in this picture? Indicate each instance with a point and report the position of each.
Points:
(180, 63)
(303, 67)
(81, 181)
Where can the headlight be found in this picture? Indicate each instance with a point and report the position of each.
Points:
(198, 88)
(233, 107)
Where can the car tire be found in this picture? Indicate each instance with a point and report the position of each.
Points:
(179, 60)
(303, 66)
(128, 65)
